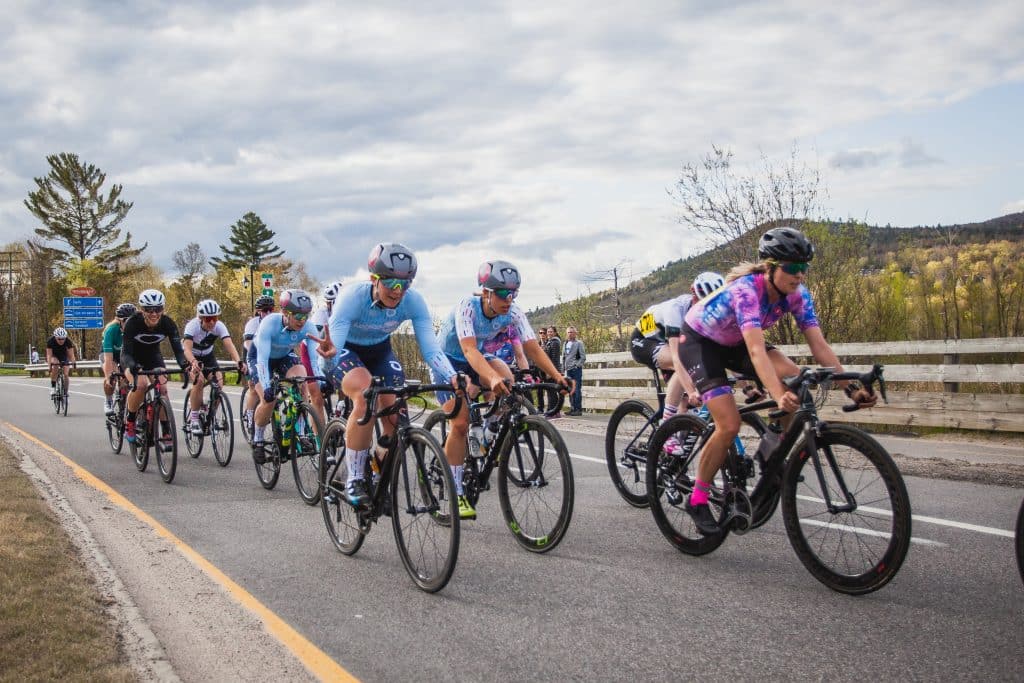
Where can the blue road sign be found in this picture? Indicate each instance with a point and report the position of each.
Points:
(83, 302)
(83, 313)
(83, 323)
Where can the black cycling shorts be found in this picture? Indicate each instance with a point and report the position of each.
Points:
(645, 350)
(706, 361)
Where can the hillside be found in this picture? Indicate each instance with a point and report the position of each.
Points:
(675, 277)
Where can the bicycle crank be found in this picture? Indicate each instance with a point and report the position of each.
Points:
(738, 511)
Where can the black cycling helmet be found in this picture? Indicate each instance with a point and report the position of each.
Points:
(498, 275)
(264, 303)
(391, 259)
(785, 244)
(125, 311)
(296, 301)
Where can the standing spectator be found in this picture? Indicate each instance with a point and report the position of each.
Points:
(553, 347)
(574, 355)
(35, 356)
(542, 339)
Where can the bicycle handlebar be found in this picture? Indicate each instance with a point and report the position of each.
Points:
(403, 392)
(822, 375)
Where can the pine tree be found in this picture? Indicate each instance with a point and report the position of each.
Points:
(251, 244)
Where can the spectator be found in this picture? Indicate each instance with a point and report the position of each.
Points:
(574, 355)
(553, 347)
(35, 356)
(542, 339)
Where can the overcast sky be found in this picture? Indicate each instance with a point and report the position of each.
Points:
(543, 133)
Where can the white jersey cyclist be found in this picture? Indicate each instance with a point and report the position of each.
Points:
(665, 319)
(357, 319)
(202, 340)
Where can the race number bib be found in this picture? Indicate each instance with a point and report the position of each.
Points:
(647, 325)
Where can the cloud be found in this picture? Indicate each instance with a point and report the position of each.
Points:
(1013, 207)
(858, 158)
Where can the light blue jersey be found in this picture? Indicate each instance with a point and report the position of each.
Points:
(274, 340)
(468, 320)
(356, 319)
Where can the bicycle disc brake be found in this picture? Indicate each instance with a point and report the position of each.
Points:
(738, 511)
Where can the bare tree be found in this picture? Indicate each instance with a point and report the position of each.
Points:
(190, 263)
(724, 206)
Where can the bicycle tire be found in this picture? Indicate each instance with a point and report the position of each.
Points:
(1019, 540)
(222, 430)
(421, 498)
(165, 439)
(65, 397)
(193, 442)
(341, 519)
(669, 483)
(140, 453)
(625, 447)
(306, 453)
(246, 425)
(536, 488)
(115, 426)
(872, 478)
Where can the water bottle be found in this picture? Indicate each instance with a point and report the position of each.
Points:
(286, 417)
(476, 441)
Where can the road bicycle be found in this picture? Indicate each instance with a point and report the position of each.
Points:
(114, 422)
(414, 487)
(626, 441)
(296, 435)
(215, 421)
(1019, 540)
(535, 479)
(154, 427)
(244, 418)
(844, 503)
(60, 396)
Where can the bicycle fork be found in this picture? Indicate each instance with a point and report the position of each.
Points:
(811, 434)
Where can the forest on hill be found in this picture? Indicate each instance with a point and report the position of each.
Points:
(870, 283)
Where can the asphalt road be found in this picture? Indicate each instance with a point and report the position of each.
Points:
(614, 601)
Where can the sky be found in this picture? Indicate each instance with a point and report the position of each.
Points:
(546, 134)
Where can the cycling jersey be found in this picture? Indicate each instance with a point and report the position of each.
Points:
(467, 319)
(743, 304)
(274, 340)
(112, 340)
(251, 325)
(60, 351)
(319, 318)
(141, 343)
(203, 341)
(665, 319)
(357, 319)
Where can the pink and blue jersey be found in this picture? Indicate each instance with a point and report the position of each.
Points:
(743, 304)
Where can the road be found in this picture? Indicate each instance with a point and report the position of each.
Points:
(614, 601)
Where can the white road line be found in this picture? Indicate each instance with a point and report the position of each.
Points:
(931, 520)
(868, 532)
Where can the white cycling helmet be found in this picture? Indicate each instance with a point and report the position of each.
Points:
(331, 291)
(60, 333)
(152, 297)
(208, 307)
(707, 282)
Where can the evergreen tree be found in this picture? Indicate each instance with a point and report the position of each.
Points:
(69, 203)
(251, 244)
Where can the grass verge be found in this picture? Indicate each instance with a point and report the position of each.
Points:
(52, 621)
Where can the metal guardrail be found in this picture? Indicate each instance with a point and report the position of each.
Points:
(94, 366)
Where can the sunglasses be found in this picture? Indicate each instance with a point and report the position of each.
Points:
(395, 283)
(209, 318)
(506, 294)
(794, 268)
(301, 317)
(152, 309)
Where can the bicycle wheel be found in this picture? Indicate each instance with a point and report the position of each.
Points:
(535, 484)
(1019, 540)
(64, 397)
(625, 449)
(222, 429)
(243, 420)
(425, 513)
(669, 483)
(270, 469)
(58, 397)
(855, 551)
(115, 426)
(341, 519)
(306, 452)
(165, 439)
(193, 442)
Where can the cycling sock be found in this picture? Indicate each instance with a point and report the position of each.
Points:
(457, 476)
(701, 489)
(356, 463)
(132, 414)
(670, 410)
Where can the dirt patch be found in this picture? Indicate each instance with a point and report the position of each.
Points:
(995, 474)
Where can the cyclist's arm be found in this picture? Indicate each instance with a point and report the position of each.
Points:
(476, 360)
(128, 361)
(49, 356)
(541, 359)
(680, 369)
(232, 351)
(175, 338)
(72, 355)
(187, 350)
(108, 364)
(520, 355)
(264, 339)
(753, 337)
(423, 327)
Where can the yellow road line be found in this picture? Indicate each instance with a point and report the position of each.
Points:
(312, 657)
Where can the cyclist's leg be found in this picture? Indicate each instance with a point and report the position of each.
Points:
(54, 367)
(67, 378)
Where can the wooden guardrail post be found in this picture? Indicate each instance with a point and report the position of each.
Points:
(951, 359)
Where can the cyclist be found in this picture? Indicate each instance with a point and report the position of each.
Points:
(201, 333)
(655, 343)
(60, 350)
(725, 330)
(359, 347)
(264, 307)
(142, 335)
(111, 356)
(319, 319)
(275, 342)
(465, 336)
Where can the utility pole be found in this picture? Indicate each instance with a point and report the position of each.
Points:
(613, 275)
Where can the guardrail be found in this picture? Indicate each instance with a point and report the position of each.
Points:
(95, 368)
(610, 378)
